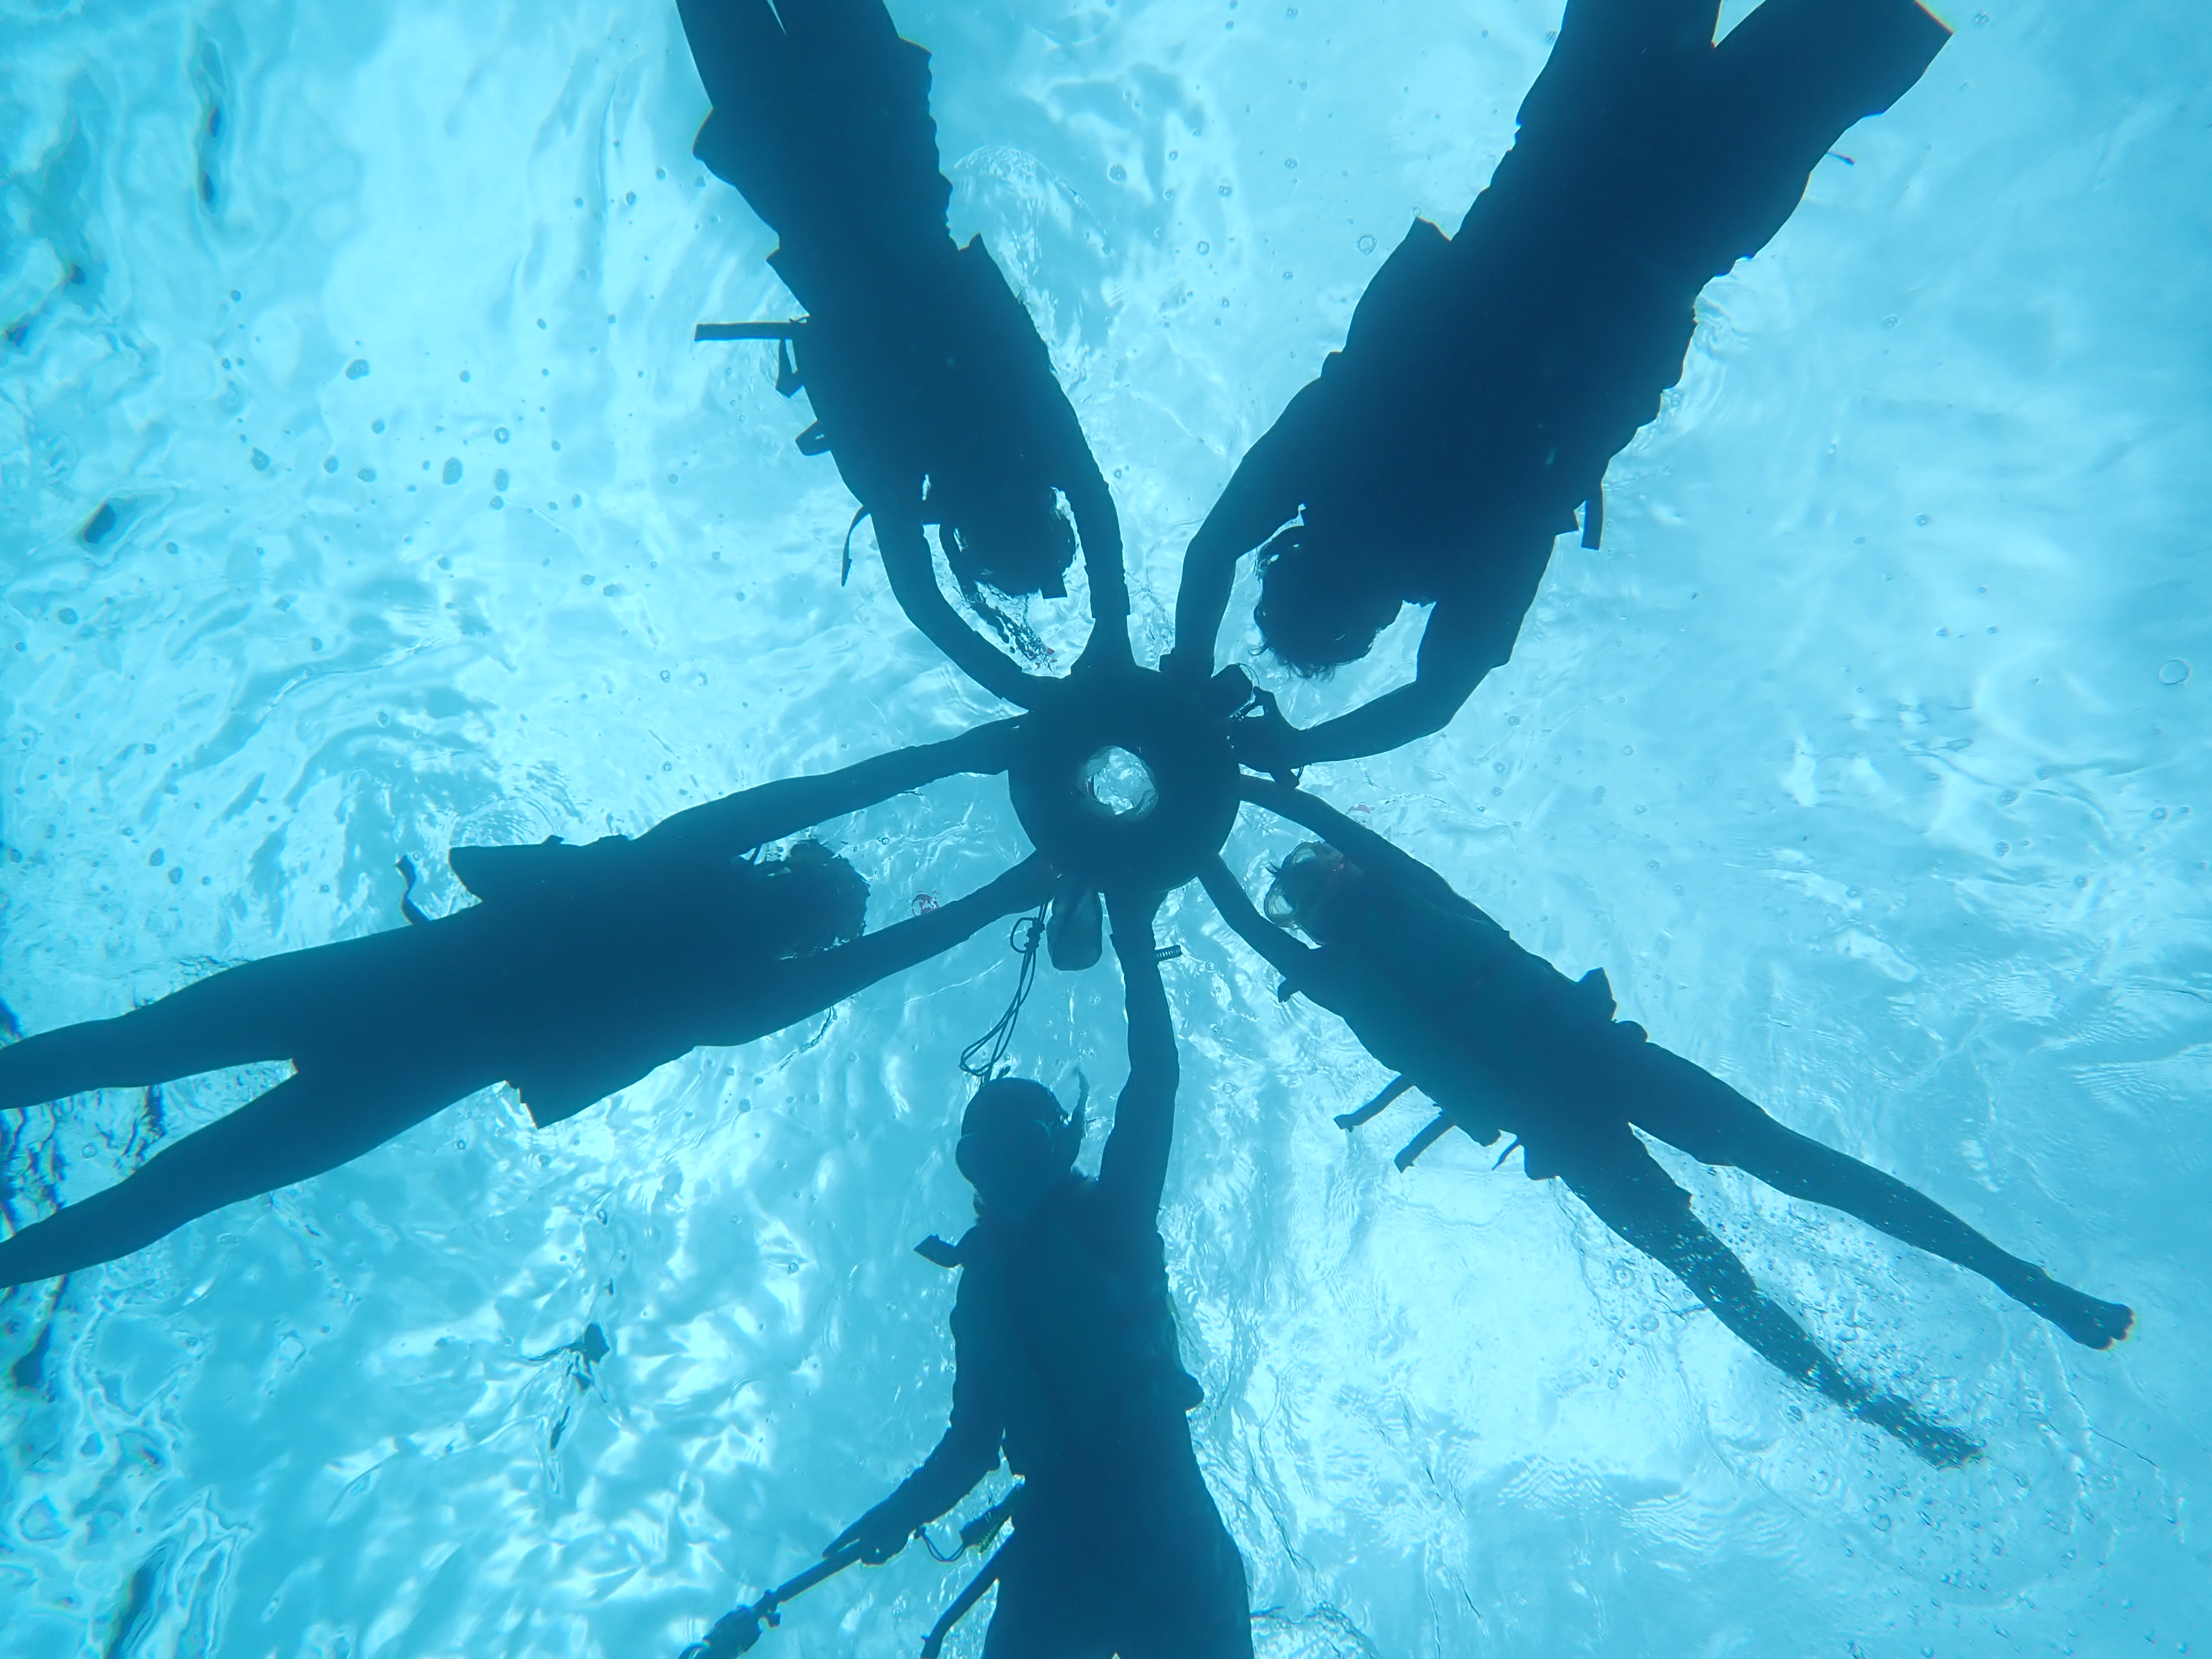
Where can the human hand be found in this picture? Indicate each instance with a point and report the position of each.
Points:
(880, 1533)
(1264, 741)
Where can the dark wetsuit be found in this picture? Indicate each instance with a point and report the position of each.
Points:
(930, 386)
(583, 969)
(1504, 1042)
(1068, 1361)
(1487, 380)
(1068, 1365)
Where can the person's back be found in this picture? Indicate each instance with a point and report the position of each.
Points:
(1488, 380)
(581, 970)
(1068, 1368)
(1068, 1308)
(1447, 996)
(931, 389)
(1500, 1039)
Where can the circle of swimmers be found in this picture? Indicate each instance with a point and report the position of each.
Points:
(1486, 381)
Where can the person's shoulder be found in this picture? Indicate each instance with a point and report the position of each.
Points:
(1112, 1227)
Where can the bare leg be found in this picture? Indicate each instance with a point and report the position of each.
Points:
(1689, 1108)
(305, 1126)
(265, 1010)
(1627, 1190)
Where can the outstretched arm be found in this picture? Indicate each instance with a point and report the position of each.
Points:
(1463, 642)
(1285, 954)
(1099, 527)
(1625, 1188)
(967, 1452)
(808, 985)
(912, 577)
(1264, 493)
(737, 824)
(1370, 851)
(1133, 1171)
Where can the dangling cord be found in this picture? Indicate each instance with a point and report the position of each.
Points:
(1027, 935)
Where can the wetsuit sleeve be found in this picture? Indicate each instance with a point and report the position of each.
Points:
(968, 1450)
(1265, 492)
(1099, 527)
(1464, 640)
(912, 573)
(805, 986)
(1293, 961)
(737, 824)
(1370, 851)
(1133, 1171)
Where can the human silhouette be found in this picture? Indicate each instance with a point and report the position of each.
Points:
(929, 385)
(581, 970)
(1068, 1366)
(1486, 380)
(1504, 1042)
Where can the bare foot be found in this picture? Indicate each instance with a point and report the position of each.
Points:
(2092, 1323)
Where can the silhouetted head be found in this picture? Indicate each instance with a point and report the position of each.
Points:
(809, 900)
(1016, 1143)
(1321, 604)
(1006, 535)
(1295, 900)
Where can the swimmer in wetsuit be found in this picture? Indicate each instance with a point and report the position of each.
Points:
(929, 385)
(582, 969)
(1503, 1042)
(1487, 380)
(1068, 1367)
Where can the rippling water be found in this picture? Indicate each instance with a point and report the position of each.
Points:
(360, 491)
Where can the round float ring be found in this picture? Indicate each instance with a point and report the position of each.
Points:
(1125, 781)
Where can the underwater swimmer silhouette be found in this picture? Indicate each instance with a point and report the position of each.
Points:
(929, 385)
(1068, 1366)
(1487, 380)
(582, 969)
(1503, 1042)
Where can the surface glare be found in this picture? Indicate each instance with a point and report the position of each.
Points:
(362, 492)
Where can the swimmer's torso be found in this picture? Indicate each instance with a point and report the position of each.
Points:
(1066, 1315)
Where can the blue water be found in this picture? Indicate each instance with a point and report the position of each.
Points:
(1864, 758)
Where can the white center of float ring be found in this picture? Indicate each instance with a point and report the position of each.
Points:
(1117, 785)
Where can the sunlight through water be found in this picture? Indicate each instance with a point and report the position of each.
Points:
(362, 493)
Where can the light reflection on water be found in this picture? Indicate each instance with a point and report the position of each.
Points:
(1855, 759)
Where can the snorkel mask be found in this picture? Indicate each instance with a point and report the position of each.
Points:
(1014, 1140)
(1299, 882)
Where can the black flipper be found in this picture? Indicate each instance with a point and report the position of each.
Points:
(1374, 1108)
(1438, 1125)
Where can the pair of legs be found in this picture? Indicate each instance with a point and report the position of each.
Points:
(1624, 1187)
(1689, 1108)
(310, 1123)
(1130, 1557)
(1606, 1166)
(327, 1001)
(272, 1009)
